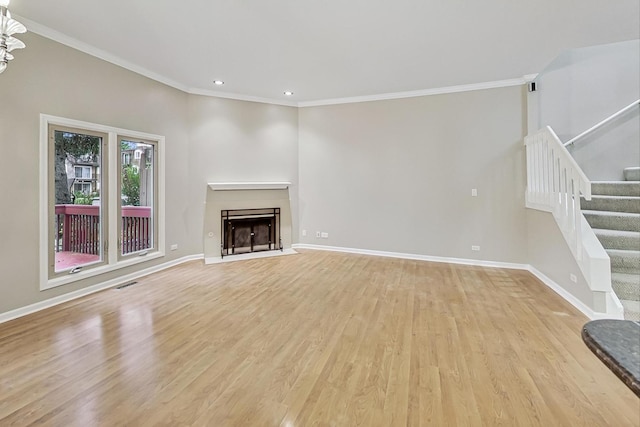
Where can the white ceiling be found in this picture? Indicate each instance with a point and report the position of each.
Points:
(326, 49)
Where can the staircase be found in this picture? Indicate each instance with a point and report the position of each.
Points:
(614, 215)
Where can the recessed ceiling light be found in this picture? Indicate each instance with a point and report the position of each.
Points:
(218, 82)
(288, 93)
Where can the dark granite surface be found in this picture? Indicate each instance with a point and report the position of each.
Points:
(617, 344)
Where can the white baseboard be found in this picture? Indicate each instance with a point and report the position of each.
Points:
(32, 308)
(583, 308)
(417, 257)
(593, 315)
(562, 292)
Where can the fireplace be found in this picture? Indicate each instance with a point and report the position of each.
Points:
(246, 220)
(250, 230)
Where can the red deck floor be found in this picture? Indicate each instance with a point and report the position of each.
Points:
(65, 260)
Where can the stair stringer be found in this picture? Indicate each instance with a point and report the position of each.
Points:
(595, 266)
(555, 183)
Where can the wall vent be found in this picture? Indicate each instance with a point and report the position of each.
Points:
(126, 285)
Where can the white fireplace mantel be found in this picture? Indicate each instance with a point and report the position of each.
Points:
(226, 186)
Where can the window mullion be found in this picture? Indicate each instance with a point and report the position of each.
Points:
(108, 184)
(114, 205)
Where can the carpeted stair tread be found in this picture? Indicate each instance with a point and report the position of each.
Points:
(624, 261)
(618, 239)
(612, 203)
(632, 173)
(631, 310)
(626, 285)
(615, 188)
(614, 215)
(613, 220)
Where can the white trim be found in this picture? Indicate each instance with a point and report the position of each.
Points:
(251, 255)
(32, 308)
(85, 274)
(418, 257)
(43, 230)
(223, 186)
(63, 121)
(583, 308)
(113, 262)
(73, 43)
(240, 97)
(416, 93)
(51, 302)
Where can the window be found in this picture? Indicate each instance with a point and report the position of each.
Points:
(137, 196)
(81, 187)
(82, 172)
(104, 213)
(78, 227)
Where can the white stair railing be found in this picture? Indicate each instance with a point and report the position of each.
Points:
(600, 124)
(555, 183)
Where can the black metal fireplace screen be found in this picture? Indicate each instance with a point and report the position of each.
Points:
(250, 230)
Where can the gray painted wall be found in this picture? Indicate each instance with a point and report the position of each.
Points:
(584, 86)
(397, 175)
(238, 141)
(604, 154)
(391, 175)
(548, 252)
(53, 79)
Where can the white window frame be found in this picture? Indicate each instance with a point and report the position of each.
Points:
(82, 169)
(82, 184)
(153, 144)
(113, 261)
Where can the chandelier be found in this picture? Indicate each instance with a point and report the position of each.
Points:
(8, 27)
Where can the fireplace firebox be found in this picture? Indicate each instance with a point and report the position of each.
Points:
(250, 230)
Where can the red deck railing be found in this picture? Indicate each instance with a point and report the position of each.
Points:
(78, 228)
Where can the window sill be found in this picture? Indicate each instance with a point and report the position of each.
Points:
(71, 278)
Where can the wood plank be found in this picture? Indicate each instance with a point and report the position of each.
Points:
(317, 338)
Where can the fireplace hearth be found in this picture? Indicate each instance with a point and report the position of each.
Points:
(250, 230)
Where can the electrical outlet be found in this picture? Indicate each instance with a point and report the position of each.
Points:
(573, 278)
(304, 233)
(317, 234)
(475, 248)
(324, 235)
(474, 192)
(174, 247)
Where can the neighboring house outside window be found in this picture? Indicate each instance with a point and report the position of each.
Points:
(118, 221)
(84, 176)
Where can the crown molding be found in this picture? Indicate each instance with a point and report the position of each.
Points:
(73, 43)
(416, 93)
(240, 97)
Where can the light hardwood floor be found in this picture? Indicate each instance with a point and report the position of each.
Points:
(317, 338)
